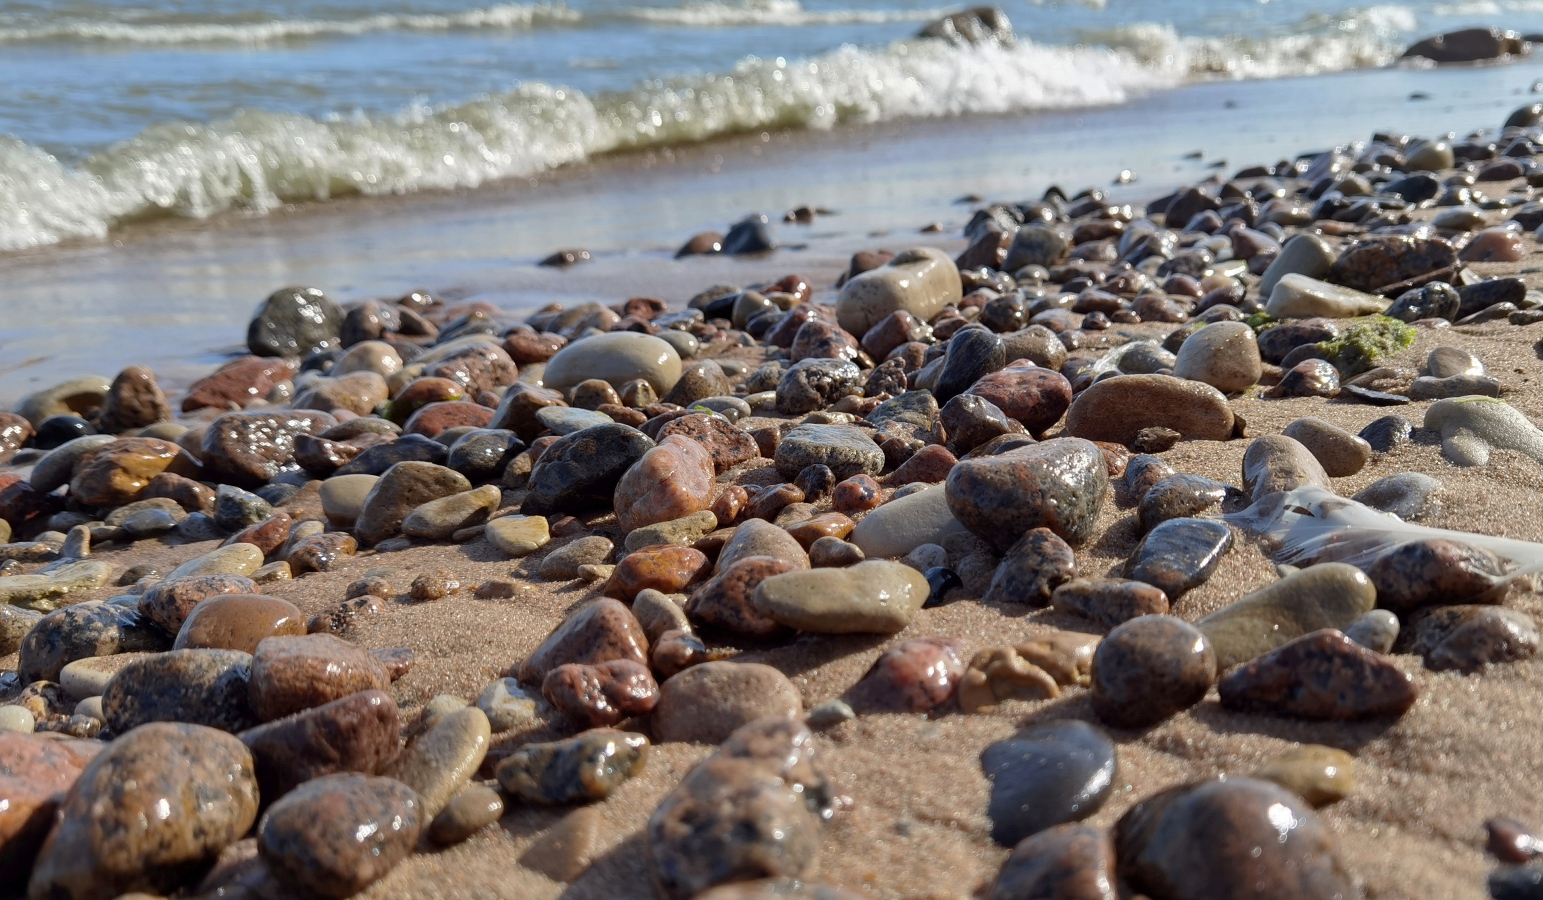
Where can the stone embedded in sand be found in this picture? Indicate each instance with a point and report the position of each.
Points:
(336, 835)
(506, 704)
(1150, 668)
(602, 694)
(751, 810)
(1322, 675)
(357, 733)
(617, 357)
(1059, 484)
(470, 811)
(1337, 450)
(564, 562)
(1428, 388)
(1300, 297)
(1067, 862)
(248, 449)
(198, 687)
(403, 488)
(43, 590)
(915, 676)
(598, 632)
(1223, 355)
(321, 552)
(1109, 601)
(581, 470)
(1377, 630)
(291, 674)
(1175, 496)
(1225, 838)
(1045, 776)
(920, 281)
(1031, 570)
(1327, 595)
(238, 622)
(438, 762)
(1375, 262)
(81, 631)
(233, 559)
(517, 536)
(148, 813)
(671, 480)
(1275, 462)
(1320, 775)
(706, 702)
(437, 520)
(1436, 571)
(1117, 409)
(580, 769)
(873, 597)
(1308, 378)
(725, 601)
(1180, 555)
(1471, 427)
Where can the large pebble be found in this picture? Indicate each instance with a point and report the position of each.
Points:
(1117, 409)
(291, 674)
(1436, 571)
(1031, 570)
(1150, 668)
(81, 631)
(672, 480)
(248, 449)
(1328, 595)
(517, 536)
(403, 488)
(706, 702)
(439, 519)
(1301, 297)
(441, 760)
(294, 322)
(581, 470)
(1467, 638)
(336, 835)
(1337, 450)
(602, 694)
(357, 733)
(232, 559)
(844, 449)
(238, 622)
(920, 281)
(1059, 484)
(617, 357)
(1276, 462)
(916, 676)
(725, 601)
(199, 687)
(1045, 776)
(599, 631)
(1471, 427)
(756, 537)
(1223, 355)
(875, 596)
(1180, 555)
(1305, 254)
(1322, 675)
(1067, 862)
(44, 590)
(577, 770)
(905, 523)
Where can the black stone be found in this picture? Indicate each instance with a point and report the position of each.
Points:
(1045, 776)
(483, 454)
(56, 431)
(940, 580)
(580, 471)
(1387, 432)
(409, 447)
(1179, 555)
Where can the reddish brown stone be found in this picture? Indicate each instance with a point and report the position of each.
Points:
(726, 444)
(665, 569)
(525, 348)
(35, 773)
(21, 504)
(856, 494)
(772, 500)
(1109, 601)
(724, 601)
(598, 632)
(1322, 675)
(237, 384)
(420, 392)
(191, 495)
(247, 449)
(431, 420)
(133, 401)
(119, 472)
(730, 503)
(517, 412)
(1033, 396)
(267, 535)
(673, 479)
(320, 552)
(832, 524)
(169, 603)
(914, 676)
(929, 465)
(14, 432)
(602, 694)
(478, 368)
(291, 674)
(238, 622)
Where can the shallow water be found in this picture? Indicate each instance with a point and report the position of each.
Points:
(122, 111)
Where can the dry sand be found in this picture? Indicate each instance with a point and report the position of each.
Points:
(917, 826)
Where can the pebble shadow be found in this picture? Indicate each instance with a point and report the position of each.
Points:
(1349, 736)
(626, 863)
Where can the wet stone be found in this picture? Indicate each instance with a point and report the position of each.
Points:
(915, 676)
(1180, 555)
(855, 494)
(1035, 397)
(1327, 595)
(755, 537)
(1045, 776)
(81, 631)
(1337, 450)
(1467, 638)
(291, 674)
(1109, 601)
(1377, 630)
(834, 553)
(844, 449)
(1117, 409)
(1320, 775)
(725, 601)
(434, 585)
(581, 470)
(1408, 495)
(812, 384)
(972, 354)
(1436, 570)
(1511, 841)
(706, 702)
(248, 449)
(403, 488)
(1471, 427)
(439, 761)
(565, 561)
(321, 552)
(1387, 433)
(580, 769)
(1428, 388)
(1059, 484)
(335, 836)
(1322, 675)
(1308, 378)
(598, 632)
(1222, 838)
(1067, 862)
(1178, 496)
(357, 733)
(470, 811)
(602, 694)
(238, 622)
(377, 458)
(439, 519)
(725, 444)
(874, 596)
(1150, 668)
(506, 704)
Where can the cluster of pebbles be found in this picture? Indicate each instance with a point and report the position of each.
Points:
(761, 467)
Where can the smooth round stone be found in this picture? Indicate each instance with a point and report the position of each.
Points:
(617, 357)
(844, 449)
(1377, 630)
(920, 281)
(580, 769)
(1308, 378)
(18, 719)
(1467, 638)
(377, 458)
(686, 345)
(506, 704)
(903, 524)
(1176, 497)
(667, 569)
(1327, 595)
(57, 467)
(1337, 450)
(1446, 362)
(238, 622)
(78, 396)
(1150, 668)
(1225, 838)
(916, 676)
(56, 430)
(199, 687)
(564, 562)
(926, 556)
(1067, 862)
(1180, 555)
(234, 559)
(444, 758)
(567, 420)
(439, 519)
(483, 453)
(89, 677)
(581, 470)
(291, 674)
(1436, 571)
(1320, 775)
(1045, 776)
(1059, 484)
(597, 632)
(1408, 495)
(1117, 409)
(1305, 254)
(756, 537)
(1324, 676)
(158, 803)
(294, 322)
(672, 480)
(1300, 297)
(403, 488)
(873, 597)
(335, 836)
(470, 811)
(517, 536)
(681, 532)
(706, 703)
(1276, 462)
(1432, 301)
(971, 355)
(81, 631)
(148, 523)
(342, 496)
(357, 733)
(1471, 427)
(1223, 355)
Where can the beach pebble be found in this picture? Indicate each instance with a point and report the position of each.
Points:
(439, 761)
(663, 568)
(439, 519)
(726, 445)
(1179, 555)
(1033, 567)
(238, 622)
(158, 801)
(563, 420)
(726, 600)
(1275, 462)
(517, 536)
(1150, 668)
(616, 357)
(1471, 427)
(1436, 571)
(1449, 362)
(1428, 388)
(581, 470)
(15, 622)
(1067, 862)
(972, 353)
(336, 835)
(342, 496)
(1408, 495)
(1109, 601)
(1327, 595)
(1177, 496)
(1320, 775)
(357, 733)
(341, 617)
(756, 537)
(1301, 297)
(844, 449)
(199, 687)
(402, 489)
(1337, 450)
(915, 676)
(1308, 378)
(1223, 355)
(234, 559)
(564, 562)
(1387, 433)
(248, 449)
(84, 630)
(1321, 675)
(1117, 409)
(834, 553)
(78, 396)
(813, 384)
(294, 322)
(754, 809)
(1304, 254)
(856, 494)
(89, 677)
(1059, 484)
(1221, 838)
(119, 472)
(169, 603)
(1377, 630)
(704, 703)
(291, 674)
(579, 769)
(473, 809)
(1047, 775)
(681, 532)
(602, 694)
(971, 421)
(320, 552)
(506, 704)
(874, 596)
(597, 632)
(920, 281)
(377, 458)
(905, 523)
(1466, 638)
(1437, 300)
(1033, 396)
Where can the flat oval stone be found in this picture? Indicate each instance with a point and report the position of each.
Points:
(905, 523)
(1337, 450)
(617, 357)
(706, 702)
(1059, 484)
(1150, 668)
(1032, 569)
(470, 811)
(1221, 354)
(336, 835)
(1320, 775)
(844, 449)
(1322, 675)
(1300, 297)
(1471, 427)
(441, 760)
(564, 562)
(235, 559)
(875, 596)
(89, 677)
(915, 676)
(1225, 838)
(238, 622)
(581, 470)
(1109, 601)
(1117, 409)
(517, 536)
(666, 569)
(439, 519)
(1067, 862)
(597, 632)
(355, 734)
(81, 631)
(1046, 776)
(919, 281)
(1327, 595)
(1180, 555)
(580, 769)
(199, 687)
(150, 812)
(1177, 496)
(291, 674)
